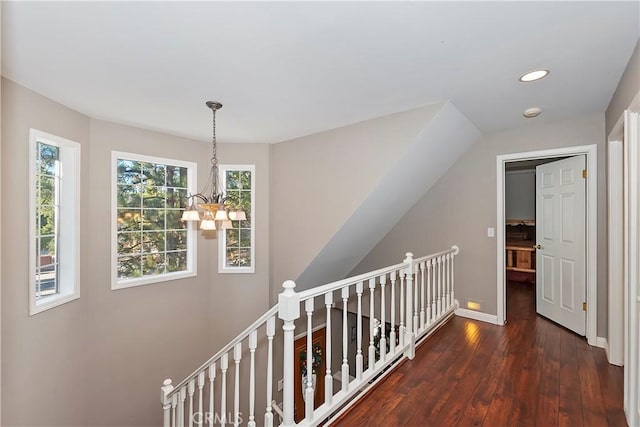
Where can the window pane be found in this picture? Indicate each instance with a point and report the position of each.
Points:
(232, 257)
(232, 237)
(153, 174)
(153, 197)
(176, 240)
(245, 180)
(129, 196)
(129, 220)
(129, 267)
(174, 220)
(129, 172)
(47, 248)
(244, 257)
(47, 190)
(129, 243)
(153, 264)
(176, 176)
(176, 198)
(245, 238)
(153, 219)
(152, 241)
(176, 261)
(233, 180)
(46, 220)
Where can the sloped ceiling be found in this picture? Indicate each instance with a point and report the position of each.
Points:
(288, 69)
(442, 141)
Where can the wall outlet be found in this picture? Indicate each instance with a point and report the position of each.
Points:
(280, 385)
(491, 232)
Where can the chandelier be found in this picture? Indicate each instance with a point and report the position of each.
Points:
(216, 215)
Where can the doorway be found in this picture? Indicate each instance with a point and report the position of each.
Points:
(590, 153)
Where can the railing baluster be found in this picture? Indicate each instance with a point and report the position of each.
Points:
(414, 275)
(453, 255)
(359, 356)
(174, 410)
(372, 347)
(383, 319)
(183, 397)
(392, 335)
(271, 331)
(309, 390)
(429, 312)
(237, 356)
(253, 343)
(345, 342)
(224, 365)
(191, 390)
(448, 291)
(401, 329)
(212, 402)
(328, 380)
(200, 398)
(422, 296)
(439, 262)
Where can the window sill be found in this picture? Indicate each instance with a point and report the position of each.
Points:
(236, 270)
(52, 301)
(149, 280)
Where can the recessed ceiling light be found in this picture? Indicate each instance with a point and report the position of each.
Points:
(534, 75)
(530, 113)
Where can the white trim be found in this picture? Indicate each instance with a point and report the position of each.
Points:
(601, 342)
(222, 268)
(631, 400)
(615, 218)
(192, 244)
(477, 315)
(69, 252)
(591, 233)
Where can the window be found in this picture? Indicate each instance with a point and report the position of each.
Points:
(54, 190)
(150, 243)
(236, 251)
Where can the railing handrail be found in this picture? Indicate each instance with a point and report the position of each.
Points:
(239, 338)
(339, 284)
(454, 250)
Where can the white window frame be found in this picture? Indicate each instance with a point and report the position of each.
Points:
(68, 254)
(192, 245)
(222, 240)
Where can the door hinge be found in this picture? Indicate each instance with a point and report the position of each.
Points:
(584, 306)
(584, 173)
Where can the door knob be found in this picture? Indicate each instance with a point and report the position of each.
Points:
(537, 246)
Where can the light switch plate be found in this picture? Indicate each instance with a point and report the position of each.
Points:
(491, 232)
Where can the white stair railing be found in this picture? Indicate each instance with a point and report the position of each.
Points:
(420, 290)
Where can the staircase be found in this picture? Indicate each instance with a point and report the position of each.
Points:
(402, 304)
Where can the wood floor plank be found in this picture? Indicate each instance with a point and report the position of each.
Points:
(531, 372)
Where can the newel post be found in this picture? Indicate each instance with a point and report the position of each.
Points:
(409, 332)
(166, 402)
(288, 311)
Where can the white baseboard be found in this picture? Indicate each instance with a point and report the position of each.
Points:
(602, 343)
(477, 315)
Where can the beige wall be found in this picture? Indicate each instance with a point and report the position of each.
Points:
(44, 364)
(318, 181)
(628, 87)
(110, 346)
(462, 204)
(137, 336)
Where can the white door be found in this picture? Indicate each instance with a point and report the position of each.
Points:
(560, 238)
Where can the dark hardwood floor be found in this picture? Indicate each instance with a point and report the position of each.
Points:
(530, 372)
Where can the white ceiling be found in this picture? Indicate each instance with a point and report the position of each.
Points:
(289, 69)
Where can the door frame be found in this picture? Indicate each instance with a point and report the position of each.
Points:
(591, 236)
